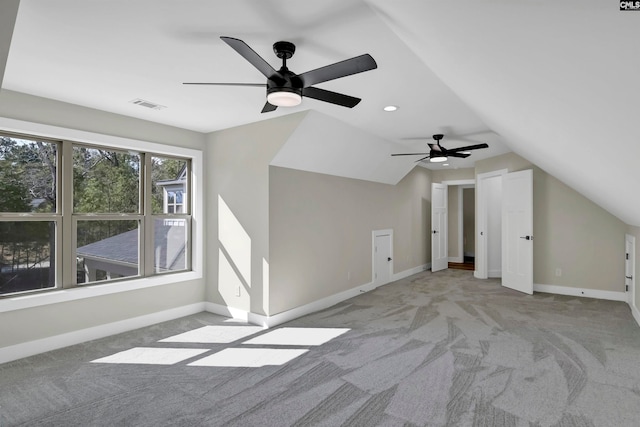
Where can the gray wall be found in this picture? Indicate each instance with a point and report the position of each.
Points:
(441, 175)
(321, 231)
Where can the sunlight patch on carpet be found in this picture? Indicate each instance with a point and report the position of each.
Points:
(249, 357)
(151, 356)
(298, 336)
(215, 334)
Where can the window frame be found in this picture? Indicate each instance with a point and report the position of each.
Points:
(66, 138)
(55, 217)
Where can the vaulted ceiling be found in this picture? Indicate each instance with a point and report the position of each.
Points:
(555, 82)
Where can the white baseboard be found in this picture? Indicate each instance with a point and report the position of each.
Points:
(494, 274)
(223, 310)
(30, 348)
(636, 313)
(580, 292)
(286, 316)
(411, 272)
(303, 310)
(457, 259)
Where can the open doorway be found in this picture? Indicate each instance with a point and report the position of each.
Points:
(469, 226)
(461, 224)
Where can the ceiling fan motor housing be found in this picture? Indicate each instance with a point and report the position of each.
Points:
(284, 50)
(286, 81)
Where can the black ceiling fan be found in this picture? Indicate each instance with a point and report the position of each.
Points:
(286, 88)
(438, 153)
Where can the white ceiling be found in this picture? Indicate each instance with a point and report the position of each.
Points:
(555, 82)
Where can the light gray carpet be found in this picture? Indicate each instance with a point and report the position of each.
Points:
(434, 349)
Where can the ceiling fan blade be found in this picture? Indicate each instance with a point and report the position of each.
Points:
(461, 155)
(250, 55)
(332, 97)
(268, 108)
(435, 147)
(424, 158)
(469, 147)
(226, 84)
(344, 68)
(410, 154)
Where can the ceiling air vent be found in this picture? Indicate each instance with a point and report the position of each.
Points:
(147, 104)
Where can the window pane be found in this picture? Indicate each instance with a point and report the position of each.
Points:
(27, 175)
(170, 239)
(27, 251)
(105, 181)
(169, 175)
(107, 250)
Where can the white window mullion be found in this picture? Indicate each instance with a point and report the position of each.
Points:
(67, 234)
(147, 238)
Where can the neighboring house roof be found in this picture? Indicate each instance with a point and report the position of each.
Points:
(181, 178)
(169, 247)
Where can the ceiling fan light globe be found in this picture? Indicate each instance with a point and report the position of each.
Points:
(284, 99)
(438, 159)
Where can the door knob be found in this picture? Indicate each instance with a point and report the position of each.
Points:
(389, 259)
(435, 231)
(527, 237)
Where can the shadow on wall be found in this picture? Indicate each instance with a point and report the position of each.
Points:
(234, 255)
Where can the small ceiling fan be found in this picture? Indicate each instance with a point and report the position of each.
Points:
(440, 154)
(286, 88)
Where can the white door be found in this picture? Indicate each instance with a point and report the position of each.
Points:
(382, 257)
(439, 250)
(629, 267)
(489, 212)
(517, 231)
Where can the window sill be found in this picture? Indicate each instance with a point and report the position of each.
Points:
(65, 295)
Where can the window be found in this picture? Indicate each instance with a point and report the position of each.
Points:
(29, 218)
(171, 225)
(125, 214)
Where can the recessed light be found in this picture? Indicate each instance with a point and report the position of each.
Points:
(445, 164)
(390, 108)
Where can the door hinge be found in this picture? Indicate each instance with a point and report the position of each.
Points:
(626, 288)
(626, 256)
